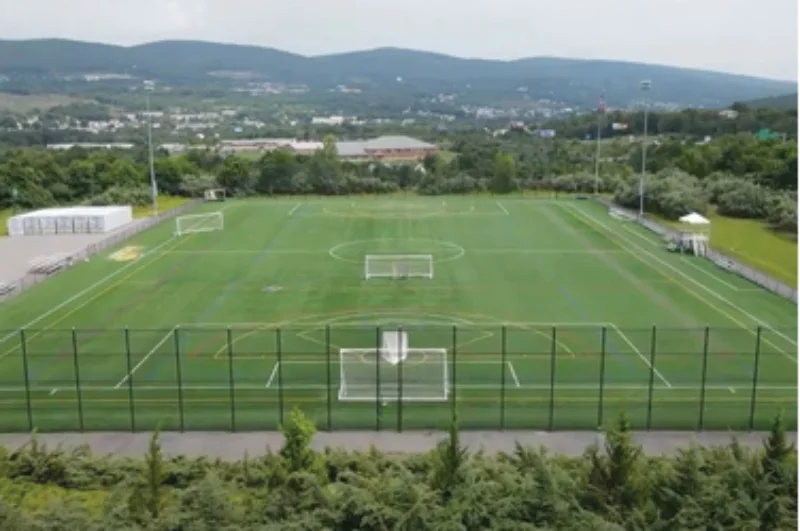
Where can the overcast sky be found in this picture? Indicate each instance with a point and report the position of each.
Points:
(755, 37)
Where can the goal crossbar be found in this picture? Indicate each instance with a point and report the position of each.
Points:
(199, 223)
(367, 375)
(398, 266)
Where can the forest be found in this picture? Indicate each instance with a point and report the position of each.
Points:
(610, 487)
(738, 175)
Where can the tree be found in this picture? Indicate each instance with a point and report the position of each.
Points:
(503, 174)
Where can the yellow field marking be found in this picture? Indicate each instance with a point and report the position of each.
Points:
(97, 295)
(683, 286)
(126, 254)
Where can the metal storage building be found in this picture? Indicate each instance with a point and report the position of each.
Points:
(70, 220)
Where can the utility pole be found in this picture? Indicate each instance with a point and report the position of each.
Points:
(149, 86)
(600, 112)
(645, 88)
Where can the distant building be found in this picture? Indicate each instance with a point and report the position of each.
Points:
(383, 147)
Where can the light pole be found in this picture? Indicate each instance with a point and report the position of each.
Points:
(148, 88)
(600, 112)
(645, 87)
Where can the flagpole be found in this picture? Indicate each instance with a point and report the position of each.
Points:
(600, 113)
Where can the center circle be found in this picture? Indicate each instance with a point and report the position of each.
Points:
(354, 251)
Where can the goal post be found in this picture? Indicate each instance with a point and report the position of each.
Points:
(199, 223)
(398, 266)
(376, 374)
(215, 194)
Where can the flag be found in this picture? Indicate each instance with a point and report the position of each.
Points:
(602, 105)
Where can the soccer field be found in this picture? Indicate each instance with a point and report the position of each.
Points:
(541, 314)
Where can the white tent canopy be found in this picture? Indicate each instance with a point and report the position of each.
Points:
(694, 219)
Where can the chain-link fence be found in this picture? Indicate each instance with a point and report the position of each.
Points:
(32, 278)
(492, 377)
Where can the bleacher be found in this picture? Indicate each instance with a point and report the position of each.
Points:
(47, 265)
(6, 288)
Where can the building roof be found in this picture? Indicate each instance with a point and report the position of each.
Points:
(351, 148)
(396, 142)
(694, 219)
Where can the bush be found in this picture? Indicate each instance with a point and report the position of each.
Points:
(670, 193)
(118, 195)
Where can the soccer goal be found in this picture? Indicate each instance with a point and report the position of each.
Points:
(215, 194)
(398, 266)
(394, 372)
(199, 223)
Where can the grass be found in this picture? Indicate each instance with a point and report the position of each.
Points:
(163, 202)
(533, 303)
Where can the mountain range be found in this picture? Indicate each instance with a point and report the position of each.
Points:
(573, 81)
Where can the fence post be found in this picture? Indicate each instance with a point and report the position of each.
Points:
(231, 380)
(130, 378)
(454, 416)
(551, 413)
(279, 352)
(602, 383)
(77, 378)
(176, 336)
(756, 363)
(652, 377)
(703, 376)
(328, 405)
(378, 378)
(400, 389)
(503, 363)
(25, 374)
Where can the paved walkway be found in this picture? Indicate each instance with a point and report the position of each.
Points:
(232, 446)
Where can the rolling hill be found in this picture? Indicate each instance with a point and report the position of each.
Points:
(573, 81)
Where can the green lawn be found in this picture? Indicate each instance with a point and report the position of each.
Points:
(540, 315)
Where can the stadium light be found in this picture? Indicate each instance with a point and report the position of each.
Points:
(645, 88)
(148, 88)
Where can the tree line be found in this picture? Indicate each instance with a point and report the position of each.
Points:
(688, 123)
(738, 175)
(611, 487)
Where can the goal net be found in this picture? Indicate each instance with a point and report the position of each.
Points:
(620, 214)
(398, 266)
(198, 223)
(214, 194)
(393, 372)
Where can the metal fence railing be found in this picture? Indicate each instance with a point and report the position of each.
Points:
(731, 264)
(492, 377)
(32, 278)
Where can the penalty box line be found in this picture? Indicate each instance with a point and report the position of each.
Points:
(146, 357)
(627, 340)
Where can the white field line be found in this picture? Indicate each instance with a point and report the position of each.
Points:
(271, 326)
(494, 386)
(293, 210)
(272, 374)
(728, 285)
(143, 360)
(83, 292)
(699, 285)
(505, 211)
(488, 250)
(687, 261)
(513, 373)
(642, 356)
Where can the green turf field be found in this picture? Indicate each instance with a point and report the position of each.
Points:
(540, 314)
